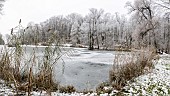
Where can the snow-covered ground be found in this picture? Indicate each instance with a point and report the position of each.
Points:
(85, 69)
(155, 83)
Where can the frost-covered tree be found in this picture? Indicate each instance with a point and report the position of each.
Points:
(102, 30)
(1, 5)
(94, 20)
(120, 32)
(145, 21)
(165, 4)
(1, 40)
(166, 32)
(106, 31)
(163, 7)
(75, 22)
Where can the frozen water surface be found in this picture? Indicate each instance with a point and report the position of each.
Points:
(85, 69)
(80, 67)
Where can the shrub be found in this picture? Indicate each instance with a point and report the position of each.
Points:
(28, 73)
(23, 76)
(127, 67)
(104, 88)
(67, 89)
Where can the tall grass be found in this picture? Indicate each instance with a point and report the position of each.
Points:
(129, 66)
(26, 71)
(27, 76)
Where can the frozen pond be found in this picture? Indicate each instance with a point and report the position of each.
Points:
(85, 69)
(80, 67)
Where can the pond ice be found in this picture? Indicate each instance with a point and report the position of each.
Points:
(79, 67)
(85, 69)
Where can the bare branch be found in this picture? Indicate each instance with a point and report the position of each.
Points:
(161, 5)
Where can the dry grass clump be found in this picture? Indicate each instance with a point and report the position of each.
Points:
(67, 89)
(26, 70)
(104, 88)
(11, 70)
(44, 80)
(127, 67)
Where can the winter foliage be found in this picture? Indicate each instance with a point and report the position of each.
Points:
(100, 30)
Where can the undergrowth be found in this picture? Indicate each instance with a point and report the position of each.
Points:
(129, 66)
(28, 71)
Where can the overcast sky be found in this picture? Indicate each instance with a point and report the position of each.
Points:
(39, 10)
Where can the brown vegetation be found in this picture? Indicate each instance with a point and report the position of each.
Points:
(127, 67)
(67, 89)
(27, 81)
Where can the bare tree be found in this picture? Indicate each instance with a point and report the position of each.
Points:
(76, 21)
(164, 7)
(145, 24)
(166, 35)
(1, 5)
(165, 4)
(104, 30)
(93, 19)
(1, 40)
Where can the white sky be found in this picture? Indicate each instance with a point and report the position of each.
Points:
(39, 10)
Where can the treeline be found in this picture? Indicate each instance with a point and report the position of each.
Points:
(145, 26)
